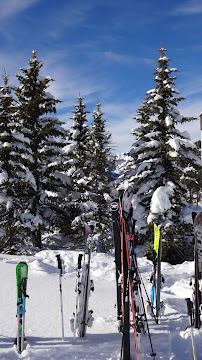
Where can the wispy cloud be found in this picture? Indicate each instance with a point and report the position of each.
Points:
(72, 15)
(13, 7)
(120, 123)
(190, 7)
(117, 58)
(192, 86)
(124, 59)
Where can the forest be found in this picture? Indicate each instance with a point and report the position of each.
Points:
(54, 179)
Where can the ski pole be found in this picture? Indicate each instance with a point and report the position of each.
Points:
(189, 311)
(152, 354)
(60, 284)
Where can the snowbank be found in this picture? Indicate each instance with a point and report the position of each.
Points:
(171, 338)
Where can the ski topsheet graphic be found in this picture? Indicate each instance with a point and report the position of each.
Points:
(21, 281)
(156, 239)
(82, 316)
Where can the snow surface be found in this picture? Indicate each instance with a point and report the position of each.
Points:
(171, 340)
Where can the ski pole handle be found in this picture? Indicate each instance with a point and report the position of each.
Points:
(79, 260)
(59, 263)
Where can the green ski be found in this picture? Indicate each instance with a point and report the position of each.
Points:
(21, 281)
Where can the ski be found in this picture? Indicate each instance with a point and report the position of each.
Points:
(157, 249)
(140, 322)
(125, 351)
(156, 278)
(82, 316)
(117, 246)
(198, 269)
(78, 292)
(21, 282)
(128, 279)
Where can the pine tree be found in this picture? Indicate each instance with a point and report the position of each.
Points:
(46, 141)
(103, 164)
(79, 168)
(14, 176)
(193, 180)
(160, 154)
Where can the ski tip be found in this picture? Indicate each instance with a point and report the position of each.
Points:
(193, 214)
(89, 228)
(197, 219)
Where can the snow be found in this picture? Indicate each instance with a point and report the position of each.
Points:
(3, 177)
(21, 137)
(49, 96)
(164, 58)
(30, 178)
(171, 338)
(30, 220)
(168, 120)
(69, 148)
(160, 201)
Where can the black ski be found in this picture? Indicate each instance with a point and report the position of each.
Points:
(198, 268)
(129, 293)
(117, 246)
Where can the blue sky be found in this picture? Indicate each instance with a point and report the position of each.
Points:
(106, 50)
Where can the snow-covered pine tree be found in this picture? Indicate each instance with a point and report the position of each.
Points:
(79, 169)
(103, 164)
(45, 209)
(14, 175)
(193, 180)
(162, 157)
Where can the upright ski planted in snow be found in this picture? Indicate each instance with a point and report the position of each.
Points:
(198, 269)
(117, 245)
(82, 316)
(156, 277)
(129, 293)
(21, 281)
(78, 292)
(125, 289)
